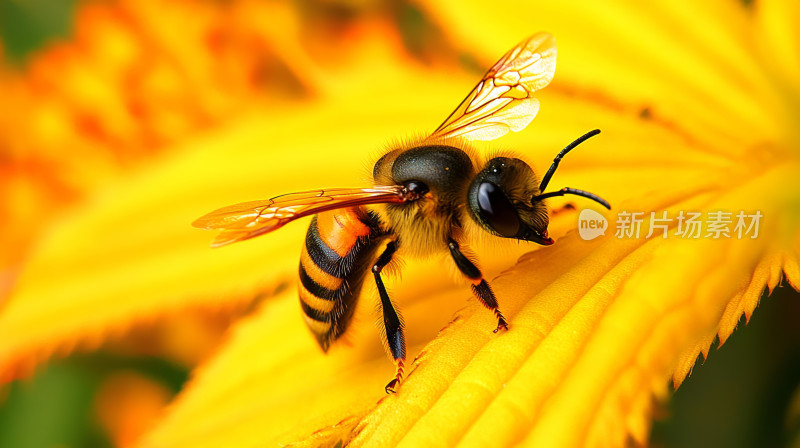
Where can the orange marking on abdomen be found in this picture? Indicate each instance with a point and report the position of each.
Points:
(340, 229)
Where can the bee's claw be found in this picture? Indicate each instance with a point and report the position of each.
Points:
(391, 388)
(501, 324)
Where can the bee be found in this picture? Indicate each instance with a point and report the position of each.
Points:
(429, 196)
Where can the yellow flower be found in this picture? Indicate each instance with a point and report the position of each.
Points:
(697, 103)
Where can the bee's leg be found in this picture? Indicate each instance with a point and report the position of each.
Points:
(480, 287)
(391, 319)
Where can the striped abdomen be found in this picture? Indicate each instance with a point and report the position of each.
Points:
(336, 257)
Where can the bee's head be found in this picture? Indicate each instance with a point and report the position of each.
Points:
(500, 201)
(506, 198)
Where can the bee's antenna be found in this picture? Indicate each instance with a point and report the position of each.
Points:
(576, 192)
(563, 191)
(557, 160)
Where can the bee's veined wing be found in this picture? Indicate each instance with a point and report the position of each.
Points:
(249, 219)
(502, 101)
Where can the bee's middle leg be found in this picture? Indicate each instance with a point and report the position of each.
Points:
(480, 287)
(391, 319)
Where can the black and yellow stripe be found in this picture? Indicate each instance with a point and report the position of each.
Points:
(333, 264)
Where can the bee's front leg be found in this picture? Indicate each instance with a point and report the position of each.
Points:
(391, 319)
(480, 287)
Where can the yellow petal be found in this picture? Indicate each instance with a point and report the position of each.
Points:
(776, 24)
(591, 338)
(682, 61)
(593, 342)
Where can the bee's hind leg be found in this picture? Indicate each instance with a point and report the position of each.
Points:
(391, 319)
(480, 287)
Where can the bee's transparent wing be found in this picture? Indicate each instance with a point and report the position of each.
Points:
(249, 219)
(502, 101)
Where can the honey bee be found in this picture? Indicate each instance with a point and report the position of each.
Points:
(429, 196)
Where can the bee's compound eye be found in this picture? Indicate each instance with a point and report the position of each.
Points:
(497, 210)
(416, 187)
